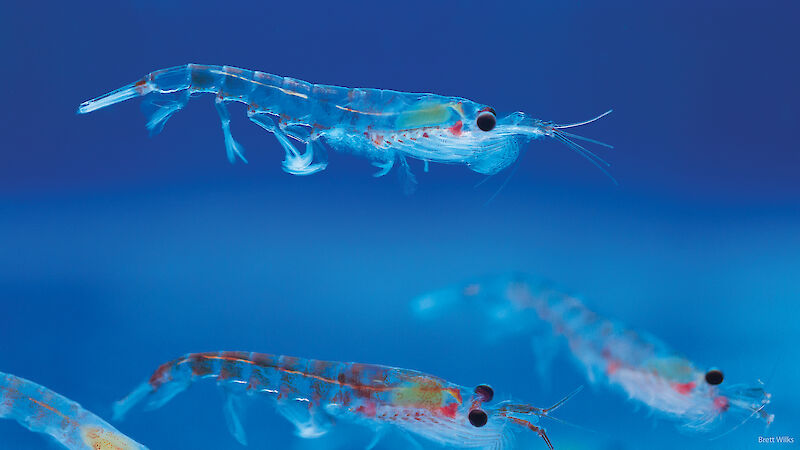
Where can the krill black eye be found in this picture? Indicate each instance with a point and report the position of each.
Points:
(486, 120)
(478, 418)
(714, 377)
(486, 393)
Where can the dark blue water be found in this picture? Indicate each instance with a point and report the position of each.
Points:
(119, 252)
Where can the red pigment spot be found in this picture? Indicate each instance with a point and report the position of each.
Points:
(456, 129)
(140, 86)
(343, 398)
(425, 135)
(160, 376)
(224, 373)
(612, 367)
(253, 383)
(368, 409)
(721, 403)
(284, 390)
(200, 365)
(684, 388)
(449, 410)
(263, 360)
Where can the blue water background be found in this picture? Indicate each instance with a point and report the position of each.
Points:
(119, 252)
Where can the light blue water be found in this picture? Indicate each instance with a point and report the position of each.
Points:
(119, 252)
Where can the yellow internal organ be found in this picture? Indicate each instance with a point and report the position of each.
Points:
(101, 439)
(425, 115)
(675, 369)
(420, 394)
